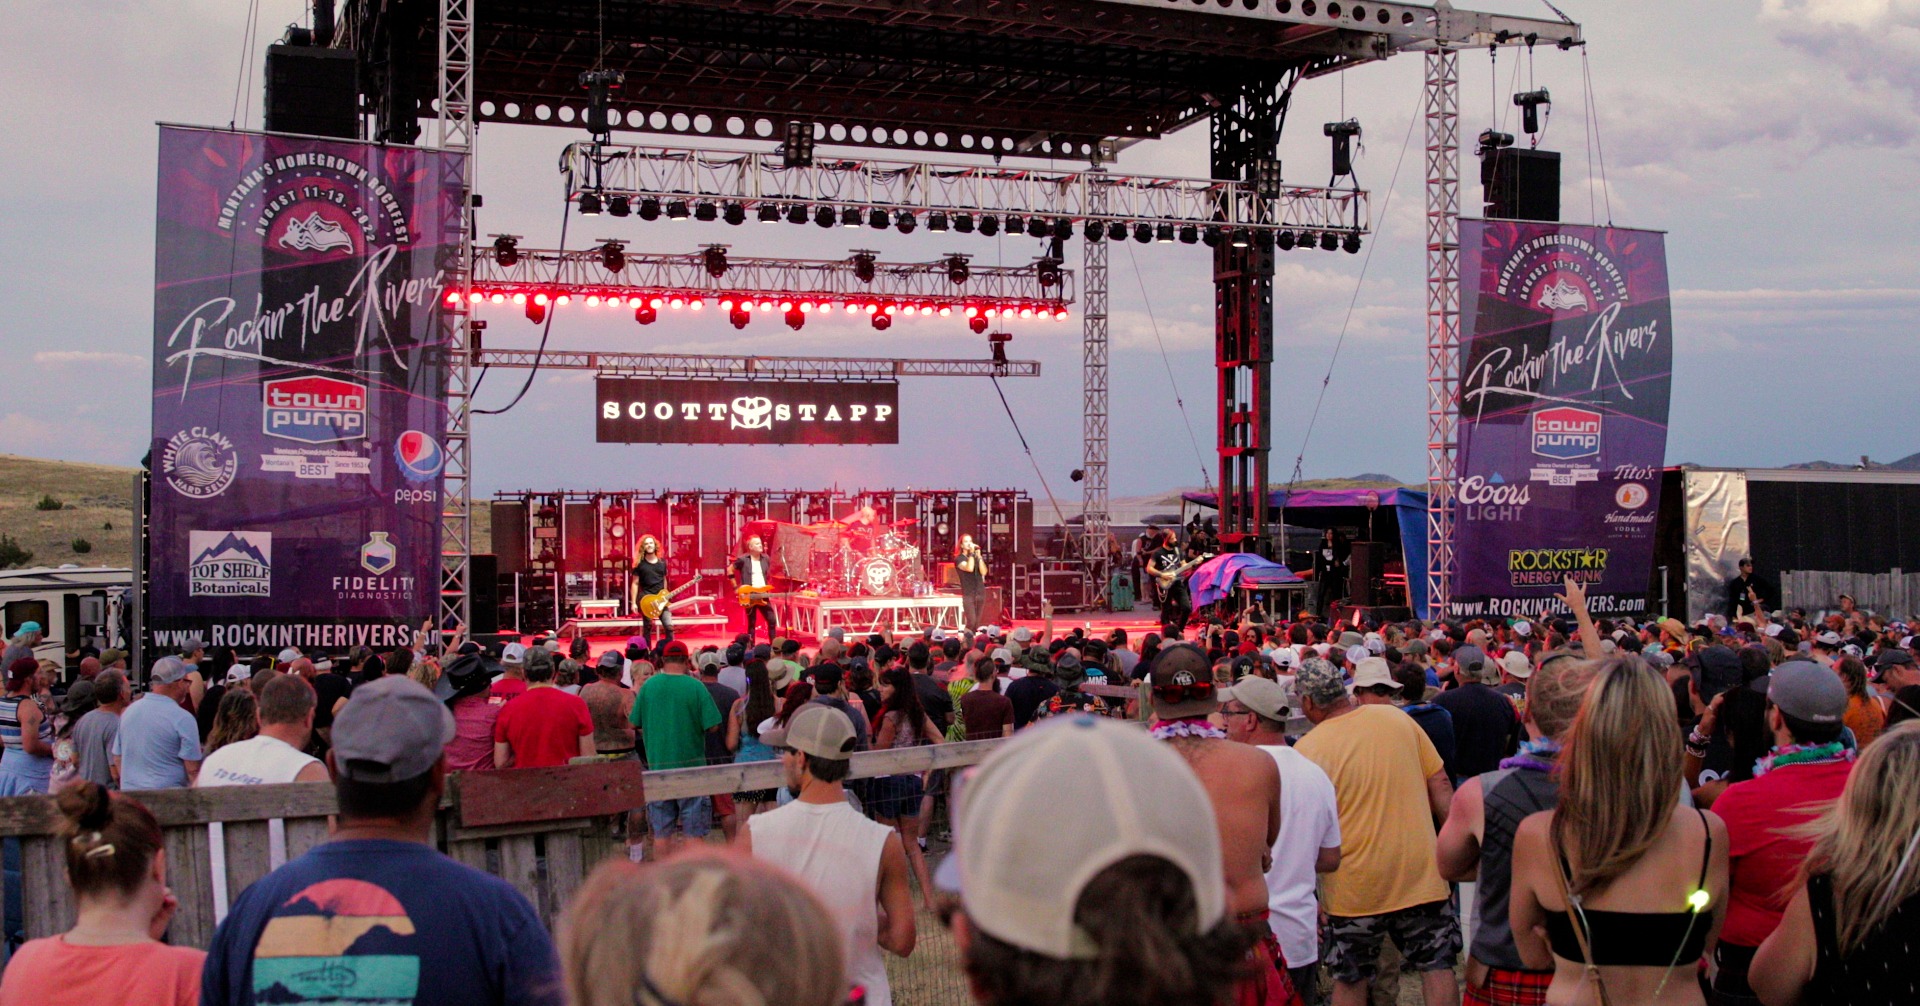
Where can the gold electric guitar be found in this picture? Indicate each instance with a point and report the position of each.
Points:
(1166, 579)
(751, 596)
(651, 605)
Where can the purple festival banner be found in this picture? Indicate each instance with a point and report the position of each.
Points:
(1566, 364)
(299, 389)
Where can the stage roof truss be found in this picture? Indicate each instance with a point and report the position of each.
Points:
(752, 179)
(786, 368)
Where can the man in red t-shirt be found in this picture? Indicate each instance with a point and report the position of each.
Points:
(1807, 769)
(543, 726)
(985, 711)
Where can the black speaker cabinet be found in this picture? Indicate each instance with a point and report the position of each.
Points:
(1521, 184)
(312, 92)
(1367, 560)
(483, 594)
(510, 536)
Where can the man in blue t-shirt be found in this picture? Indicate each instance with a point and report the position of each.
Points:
(376, 914)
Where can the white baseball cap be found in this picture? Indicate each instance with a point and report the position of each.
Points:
(1516, 663)
(1355, 654)
(513, 653)
(1020, 878)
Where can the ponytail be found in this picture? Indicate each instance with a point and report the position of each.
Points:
(110, 840)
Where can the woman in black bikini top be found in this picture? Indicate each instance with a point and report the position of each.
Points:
(1619, 889)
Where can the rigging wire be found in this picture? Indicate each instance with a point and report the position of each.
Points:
(545, 330)
(1058, 514)
(1593, 108)
(243, 77)
(1206, 477)
(1386, 203)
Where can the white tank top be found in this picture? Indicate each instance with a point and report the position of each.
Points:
(837, 852)
(256, 761)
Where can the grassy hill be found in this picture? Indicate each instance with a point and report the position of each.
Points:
(96, 504)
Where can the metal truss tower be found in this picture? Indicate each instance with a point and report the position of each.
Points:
(456, 134)
(1096, 526)
(1443, 317)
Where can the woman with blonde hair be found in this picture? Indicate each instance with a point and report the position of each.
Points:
(704, 928)
(1618, 890)
(1848, 934)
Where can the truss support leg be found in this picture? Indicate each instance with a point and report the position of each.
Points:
(1096, 528)
(1243, 133)
(456, 134)
(1443, 318)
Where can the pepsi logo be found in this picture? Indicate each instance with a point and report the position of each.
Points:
(420, 456)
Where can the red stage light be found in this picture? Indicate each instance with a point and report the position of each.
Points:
(453, 297)
(563, 300)
(676, 302)
(945, 310)
(766, 306)
(498, 298)
(972, 311)
(806, 307)
(990, 312)
(593, 300)
(726, 304)
(521, 298)
(696, 304)
(853, 308)
(1026, 312)
(657, 303)
(475, 297)
(872, 308)
(1060, 314)
(785, 306)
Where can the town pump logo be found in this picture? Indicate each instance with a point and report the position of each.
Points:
(314, 409)
(229, 563)
(1566, 433)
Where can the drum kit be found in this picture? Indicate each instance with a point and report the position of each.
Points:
(868, 560)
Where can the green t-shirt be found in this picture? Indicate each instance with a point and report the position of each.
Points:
(674, 713)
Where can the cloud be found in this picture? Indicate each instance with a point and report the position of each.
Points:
(78, 357)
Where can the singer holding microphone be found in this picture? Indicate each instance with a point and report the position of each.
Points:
(971, 565)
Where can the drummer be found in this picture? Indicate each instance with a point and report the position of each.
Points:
(862, 529)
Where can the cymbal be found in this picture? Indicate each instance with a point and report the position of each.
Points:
(906, 522)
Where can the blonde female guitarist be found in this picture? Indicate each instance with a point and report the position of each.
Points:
(649, 590)
(752, 581)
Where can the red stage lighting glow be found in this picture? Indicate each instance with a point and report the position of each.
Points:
(676, 302)
(475, 297)
(726, 304)
(853, 308)
(806, 307)
(498, 298)
(1060, 315)
(990, 312)
(696, 304)
(541, 298)
(785, 306)
(766, 305)
(945, 311)
(593, 300)
(872, 308)
(563, 300)
(521, 298)
(972, 311)
(453, 297)
(657, 303)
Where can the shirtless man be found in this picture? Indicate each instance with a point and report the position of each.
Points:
(1243, 784)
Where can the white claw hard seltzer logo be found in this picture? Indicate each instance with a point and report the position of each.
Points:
(199, 463)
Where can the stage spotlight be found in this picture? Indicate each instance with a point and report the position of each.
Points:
(797, 151)
(1351, 244)
(849, 217)
(904, 222)
(1143, 233)
(1263, 240)
(1116, 231)
(998, 343)
(1239, 239)
(1038, 228)
(1163, 234)
(977, 323)
(1305, 241)
(1063, 229)
(706, 212)
(716, 261)
(958, 271)
(881, 321)
(824, 216)
(1213, 237)
(963, 222)
(770, 214)
(612, 257)
(1266, 177)
(795, 319)
(877, 219)
(649, 208)
(677, 210)
(536, 312)
(1047, 272)
(1094, 230)
(1343, 134)
(589, 204)
(735, 214)
(1329, 241)
(739, 317)
(936, 221)
(619, 206)
(646, 314)
(863, 269)
(506, 250)
(796, 214)
(989, 225)
(1285, 240)
(1189, 234)
(1077, 474)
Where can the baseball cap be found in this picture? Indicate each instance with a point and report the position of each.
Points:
(1373, 672)
(168, 670)
(1516, 663)
(1375, 643)
(710, 658)
(26, 627)
(1355, 654)
(992, 631)
(192, 643)
(819, 730)
(1320, 681)
(1351, 638)
(1807, 691)
(1892, 658)
(1131, 796)
(674, 650)
(1022, 634)
(1182, 682)
(1283, 656)
(239, 674)
(392, 729)
(1828, 638)
(287, 656)
(513, 653)
(1470, 657)
(1265, 696)
(1002, 654)
(1523, 629)
(112, 657)
(837, 632)
(611, 658)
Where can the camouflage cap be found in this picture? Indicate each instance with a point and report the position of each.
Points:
(1320, 681)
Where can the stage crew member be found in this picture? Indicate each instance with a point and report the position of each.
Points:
(1745, 593)
(971, 565)
(752, 579)
(1329, 571)
(1176, 603)
(650, 577)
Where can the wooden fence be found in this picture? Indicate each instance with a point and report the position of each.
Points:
(1893, 594)
(541, 830)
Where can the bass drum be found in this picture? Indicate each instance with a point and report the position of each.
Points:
(876, 577)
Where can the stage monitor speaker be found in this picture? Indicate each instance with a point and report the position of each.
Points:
(483, 594)
(510, 536)
(580, 534)
(1521, 184)
(993, 606)
(1364, 567)
(312, 91)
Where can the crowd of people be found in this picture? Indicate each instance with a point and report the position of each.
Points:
(1563, 810)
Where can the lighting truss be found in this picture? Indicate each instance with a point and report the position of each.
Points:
(684, 281)
(723, 177)
(789, 368)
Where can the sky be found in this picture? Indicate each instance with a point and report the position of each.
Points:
(1777, 143)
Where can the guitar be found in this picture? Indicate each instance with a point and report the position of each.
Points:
(751, 596)
(1166, 579)
(651, 605)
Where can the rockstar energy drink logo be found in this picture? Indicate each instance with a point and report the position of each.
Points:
(1549, 567)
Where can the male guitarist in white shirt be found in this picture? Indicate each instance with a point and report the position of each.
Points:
(751, 570)
(650, 577)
